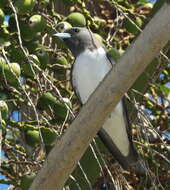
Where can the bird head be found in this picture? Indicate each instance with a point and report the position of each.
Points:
(78, 39)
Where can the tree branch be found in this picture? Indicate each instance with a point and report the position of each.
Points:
(68, 151)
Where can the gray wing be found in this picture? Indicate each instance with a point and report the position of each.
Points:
(73, 83)
(117, 137)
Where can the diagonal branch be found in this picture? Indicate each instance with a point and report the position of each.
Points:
(68, 151)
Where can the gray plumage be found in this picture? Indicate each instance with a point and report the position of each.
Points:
(91, 66)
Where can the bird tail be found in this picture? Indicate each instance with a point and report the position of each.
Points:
(116, 135)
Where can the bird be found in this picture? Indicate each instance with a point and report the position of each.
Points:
(92, 63)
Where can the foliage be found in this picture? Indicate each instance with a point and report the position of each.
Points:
(35, 74)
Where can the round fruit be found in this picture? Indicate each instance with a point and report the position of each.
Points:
(61, 61)
(28, 68)
(16, 68)
(60, 43)
(77, 19)
(2, 16)
(44, 3)
(100, 22)
(43, 56)
(17, 55)
(2, 60)
(114, 53)
(32, 137)
(149, 104)
(34, 59)
(48, 135)
(24, 6)
(62, 26)
(131, 27)
(138, 21)
(26, 181)
(32, 46)
(27, 33)
(37, 23)
(3, 110)
(48, 102)
(10, 72)
(148, 5)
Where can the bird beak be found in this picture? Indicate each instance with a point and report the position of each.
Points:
(63, 35)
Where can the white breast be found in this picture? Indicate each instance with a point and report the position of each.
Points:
(89, 70)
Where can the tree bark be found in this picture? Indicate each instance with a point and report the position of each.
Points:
(69, 149)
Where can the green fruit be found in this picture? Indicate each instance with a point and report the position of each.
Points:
(44, 3)
(77, 19)
(34, 58)
(37, 23)
(48, 135)
(27, 33)
(4, 41)
(62, 26)
(2, 60)
(32, 46)
(139, 21)
(148, 5)
(43, 57)
(17, 55)
(61, 61)
(26, 181)
(165, 72)
(100, 22)
(132, 28)
(2, 16)
(149, 104)
(121, 51)
(114, 53)
(48, 102)
(32, 137)
(24, 6)
(16, 68)
(3, 110)
(28, 68)
(10, 72)
(60, 43)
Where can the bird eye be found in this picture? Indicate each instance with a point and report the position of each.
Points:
(76, 30)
